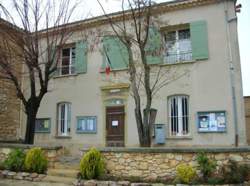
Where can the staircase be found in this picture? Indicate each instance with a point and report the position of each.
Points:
(64, 171)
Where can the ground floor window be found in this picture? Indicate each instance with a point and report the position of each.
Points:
(86, 124)
(64, 117)
(178, 115)
(42, 125)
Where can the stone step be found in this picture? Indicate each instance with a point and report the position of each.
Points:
(69, 173)
(60, 165)
(59, 179)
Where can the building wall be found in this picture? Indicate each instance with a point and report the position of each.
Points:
(207, 83)
(9, 112)
(247, 112)
(9, 104)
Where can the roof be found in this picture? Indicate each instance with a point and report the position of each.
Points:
(117, 16)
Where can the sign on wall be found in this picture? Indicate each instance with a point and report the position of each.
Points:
(212, 121)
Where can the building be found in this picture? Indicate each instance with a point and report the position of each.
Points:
(9, 104)
(247, 112)
(204, 107)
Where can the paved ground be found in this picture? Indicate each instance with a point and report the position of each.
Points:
(6, 182)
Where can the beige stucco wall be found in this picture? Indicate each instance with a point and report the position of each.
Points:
(207, 84)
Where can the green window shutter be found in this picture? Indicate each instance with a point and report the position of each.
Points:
(115, 53)
(154, 46)
(81, 57)
(199, 39)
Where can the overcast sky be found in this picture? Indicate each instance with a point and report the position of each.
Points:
(90, 8)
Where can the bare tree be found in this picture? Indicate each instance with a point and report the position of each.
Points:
(28, 54)
(133, 28)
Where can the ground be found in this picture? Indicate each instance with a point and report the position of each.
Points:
(6, 182)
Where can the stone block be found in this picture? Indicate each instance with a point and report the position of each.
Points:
(123, 183)
(235, 157)
(220, 156)
(135, 173)
(140, 184)
(143, 166)
(33, 175)
(25, 174)
(90, 183)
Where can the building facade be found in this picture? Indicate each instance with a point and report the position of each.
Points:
(202, 107)
(247, 112)
(9, 104)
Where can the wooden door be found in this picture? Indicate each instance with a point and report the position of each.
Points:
(115, 126)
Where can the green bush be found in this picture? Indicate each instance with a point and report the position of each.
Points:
(36, 161)
(185, 173)
(15, 160)
(206, 166)
(235, 173)
(92, 164)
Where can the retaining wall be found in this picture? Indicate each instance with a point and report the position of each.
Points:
(153, 163)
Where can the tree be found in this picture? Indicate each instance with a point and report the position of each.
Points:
(25, 45)
(134, 27)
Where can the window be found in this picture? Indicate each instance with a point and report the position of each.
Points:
(86, 124)
(64, 117)
(178, 115)
(67, 65)
(178, 46)
(42, 125)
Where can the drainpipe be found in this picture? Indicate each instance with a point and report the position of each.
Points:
(231, 68)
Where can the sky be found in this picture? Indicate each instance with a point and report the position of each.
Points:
(91, 8)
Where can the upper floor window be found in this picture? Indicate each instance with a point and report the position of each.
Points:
(67, 65)
(64, 118)
(178, 46)
(178, 115)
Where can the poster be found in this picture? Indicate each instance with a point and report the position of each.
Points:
(212, 121)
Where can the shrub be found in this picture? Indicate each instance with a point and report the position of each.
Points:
(235, 173)
(15, 160)
(92, 164)
(185, 173)
(36, 161)
(206, 166)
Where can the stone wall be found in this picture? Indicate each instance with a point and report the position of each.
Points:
(9, 112)
(156, 163)
(52, 152)
(247, 113)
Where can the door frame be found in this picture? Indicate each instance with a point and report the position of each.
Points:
(105, 105)
(106, 121)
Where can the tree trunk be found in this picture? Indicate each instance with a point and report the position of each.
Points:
(30, 124)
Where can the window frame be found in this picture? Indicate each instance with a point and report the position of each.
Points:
(72, 65)
(94, 131)
(178, 55)
(49, 128)
(68, 119)
(180, 125)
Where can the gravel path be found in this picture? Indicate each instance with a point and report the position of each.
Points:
(6, 182)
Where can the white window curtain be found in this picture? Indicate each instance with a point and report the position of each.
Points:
(63, 119)
(178, 115)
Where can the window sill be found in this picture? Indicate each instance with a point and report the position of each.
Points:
(114, 70)
(86, 132)
(179, 63)
(63, 137)
(180, 138)
(64, 76)
(42, 132)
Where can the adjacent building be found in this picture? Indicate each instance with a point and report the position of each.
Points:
(9, 104)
